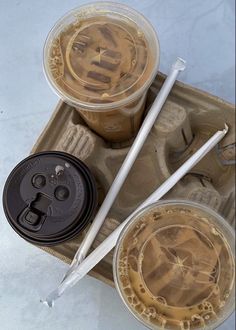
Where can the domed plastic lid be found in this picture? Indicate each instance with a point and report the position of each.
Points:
(99, 54)
(49, 197)
(175, 267)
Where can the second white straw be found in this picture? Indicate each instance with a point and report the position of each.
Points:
(109, 243)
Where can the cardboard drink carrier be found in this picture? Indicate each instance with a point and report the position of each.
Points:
(188, 118)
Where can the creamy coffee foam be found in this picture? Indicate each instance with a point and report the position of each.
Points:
(175, 269)
(100, 59)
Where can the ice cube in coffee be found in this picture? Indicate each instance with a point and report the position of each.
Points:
(102, 63)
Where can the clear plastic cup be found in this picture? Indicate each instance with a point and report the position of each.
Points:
(101, 58)
(174, 266)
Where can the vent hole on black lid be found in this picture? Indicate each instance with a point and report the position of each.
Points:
(61, 193)
(38, 181)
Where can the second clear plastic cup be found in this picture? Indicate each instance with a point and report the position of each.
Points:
(101, 58)
(174, 266)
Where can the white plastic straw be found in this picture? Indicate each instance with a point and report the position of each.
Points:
(149, 121)
(109, 243)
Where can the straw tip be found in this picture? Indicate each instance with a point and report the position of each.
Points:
(47, 303)
(226, 128)
(180, 64)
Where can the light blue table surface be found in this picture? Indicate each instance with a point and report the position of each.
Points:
(200, 31)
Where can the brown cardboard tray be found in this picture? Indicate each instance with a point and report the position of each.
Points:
(188, 119)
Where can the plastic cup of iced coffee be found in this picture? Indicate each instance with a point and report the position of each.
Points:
(101, 58)
(174, 266)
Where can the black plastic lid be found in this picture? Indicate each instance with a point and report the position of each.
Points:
(49, 197)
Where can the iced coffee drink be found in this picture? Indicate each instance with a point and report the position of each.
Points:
(102, 58)
(174, 267)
